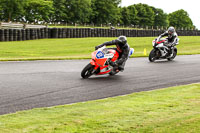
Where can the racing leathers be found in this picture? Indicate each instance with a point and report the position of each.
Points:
(172, 40)
(122, 49)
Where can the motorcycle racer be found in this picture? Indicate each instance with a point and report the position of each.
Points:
(123, 50)
(172, 38)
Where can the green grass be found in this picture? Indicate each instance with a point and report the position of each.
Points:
(170, 110)
(81, 48)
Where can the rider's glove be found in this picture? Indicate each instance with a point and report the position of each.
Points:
(96, 47)
(170, 44)
(121, 68)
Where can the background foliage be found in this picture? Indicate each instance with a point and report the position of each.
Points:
(95, 12)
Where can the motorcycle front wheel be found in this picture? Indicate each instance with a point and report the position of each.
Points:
(152, 55)
(173, 56)
(87, 71)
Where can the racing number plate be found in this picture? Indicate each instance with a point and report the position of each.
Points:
(99, 55)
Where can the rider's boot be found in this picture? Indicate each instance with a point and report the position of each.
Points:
(121, 68)
(114, 71)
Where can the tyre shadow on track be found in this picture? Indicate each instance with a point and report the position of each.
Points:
(104, 77)
(163, 61)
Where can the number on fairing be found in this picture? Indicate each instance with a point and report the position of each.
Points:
(99, 55)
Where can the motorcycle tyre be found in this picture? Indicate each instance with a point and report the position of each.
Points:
(87, 71)
(174, 55)
(152, 55)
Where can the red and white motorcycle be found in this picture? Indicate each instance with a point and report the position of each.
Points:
(99, 63)
(160, 50)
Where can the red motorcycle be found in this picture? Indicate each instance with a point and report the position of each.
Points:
(99, 63)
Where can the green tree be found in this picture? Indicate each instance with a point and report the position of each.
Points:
(105, 11)
(145, 14)
(11, 10)
(38, 10)
(125, 16)
(73, 11)
(79, 11)
(161, 18)
(133, 15)
(1, 12)
(59, 14)
(180, 19)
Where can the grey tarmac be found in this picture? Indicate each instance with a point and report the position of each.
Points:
(32, 84)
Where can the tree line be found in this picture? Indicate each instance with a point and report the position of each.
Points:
(90, 12)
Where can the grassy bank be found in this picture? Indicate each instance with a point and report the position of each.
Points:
(81, 48)
(175, 109)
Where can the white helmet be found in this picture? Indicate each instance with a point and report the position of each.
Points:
(171, 30)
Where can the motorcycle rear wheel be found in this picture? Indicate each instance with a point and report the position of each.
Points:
(87, 71)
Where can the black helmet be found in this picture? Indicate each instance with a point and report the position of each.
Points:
(171, 30)
(122, 39)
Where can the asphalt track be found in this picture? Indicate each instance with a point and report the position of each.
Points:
(32, 84)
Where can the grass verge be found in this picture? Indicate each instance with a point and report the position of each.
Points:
(175, 109)
(81, 48)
